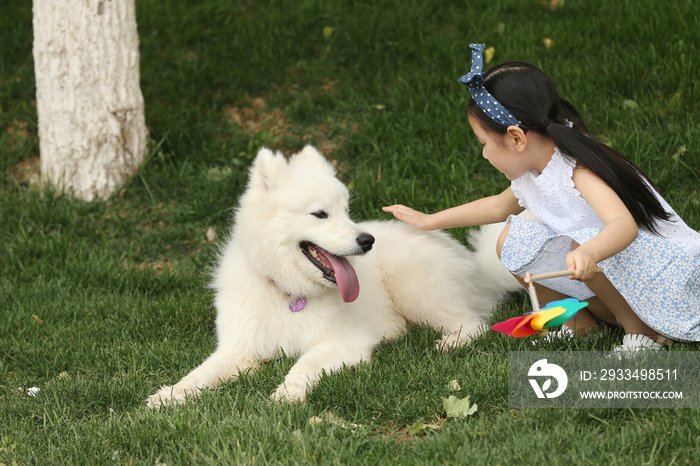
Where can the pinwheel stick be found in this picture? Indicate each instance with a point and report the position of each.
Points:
(543, 276)
(531, 291)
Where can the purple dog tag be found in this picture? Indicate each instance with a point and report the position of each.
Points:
(298, 305)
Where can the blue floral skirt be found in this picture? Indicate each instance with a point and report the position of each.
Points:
(659, 281)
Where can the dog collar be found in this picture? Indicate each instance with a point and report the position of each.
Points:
(295, 306)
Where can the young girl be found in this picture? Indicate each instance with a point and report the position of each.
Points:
(595, 208)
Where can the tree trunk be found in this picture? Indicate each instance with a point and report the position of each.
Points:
(92, 130)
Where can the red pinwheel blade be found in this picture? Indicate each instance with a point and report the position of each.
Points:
(516, 327)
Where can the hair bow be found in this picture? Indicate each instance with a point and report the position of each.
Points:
(474, 80)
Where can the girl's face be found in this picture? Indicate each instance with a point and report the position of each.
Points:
(501, 151)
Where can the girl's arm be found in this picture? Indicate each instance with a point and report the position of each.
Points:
(483, 211)
(620, 228)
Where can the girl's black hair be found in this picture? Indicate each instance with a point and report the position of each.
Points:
(533, 98)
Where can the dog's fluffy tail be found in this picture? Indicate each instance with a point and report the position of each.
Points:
(490, 268)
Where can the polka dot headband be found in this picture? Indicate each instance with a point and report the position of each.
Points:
(474, 80)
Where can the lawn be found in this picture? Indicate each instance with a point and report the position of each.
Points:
(103, 302)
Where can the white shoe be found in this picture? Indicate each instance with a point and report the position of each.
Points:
(565, 333)
(634, 344)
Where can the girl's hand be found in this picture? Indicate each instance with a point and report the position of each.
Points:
(583, 264)
(414, 218)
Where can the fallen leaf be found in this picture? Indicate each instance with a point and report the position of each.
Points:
(37, 319)
(339, 421)
(328, 32)
(453, 385)
(211, 234)
(554, 4)
(630, 104)
(455, 407)
(681, 150)
(421, 429)
(219, 173)
(488, 54)
(547, 42)
(331, 419)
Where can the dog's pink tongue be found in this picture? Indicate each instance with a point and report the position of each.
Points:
(346, 278)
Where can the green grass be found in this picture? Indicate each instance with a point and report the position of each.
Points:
(103, 302)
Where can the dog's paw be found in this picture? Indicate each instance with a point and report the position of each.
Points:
(171, 396)
(290, 392)
(451, 341)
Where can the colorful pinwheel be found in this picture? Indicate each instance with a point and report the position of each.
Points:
(539, 320)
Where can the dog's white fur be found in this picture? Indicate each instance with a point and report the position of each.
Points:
(409, 276)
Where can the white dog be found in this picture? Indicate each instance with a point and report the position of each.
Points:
(297, 277)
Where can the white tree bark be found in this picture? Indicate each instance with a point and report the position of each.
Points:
(92, 130)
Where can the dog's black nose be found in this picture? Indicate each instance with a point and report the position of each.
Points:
(365, 240)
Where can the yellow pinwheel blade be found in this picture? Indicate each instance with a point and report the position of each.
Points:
(541, 318)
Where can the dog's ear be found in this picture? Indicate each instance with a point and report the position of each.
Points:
(309, 157)
(266, 169)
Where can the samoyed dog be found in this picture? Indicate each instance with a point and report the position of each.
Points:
(299, 277)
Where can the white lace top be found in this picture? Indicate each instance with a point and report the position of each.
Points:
(553, 199)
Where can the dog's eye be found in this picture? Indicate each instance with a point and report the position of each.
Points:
(320, 214)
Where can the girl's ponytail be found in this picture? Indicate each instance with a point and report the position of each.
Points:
(631, 184)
